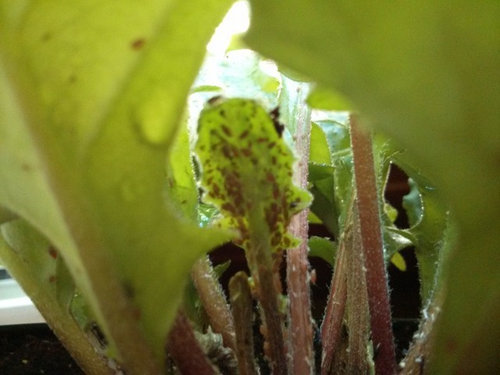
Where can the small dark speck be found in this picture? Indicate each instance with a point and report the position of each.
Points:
(129, 290)
(215, 100)
(52, 252)
(138, 44)
(72, 78)
(46, 36)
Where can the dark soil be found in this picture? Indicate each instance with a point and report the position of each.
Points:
(33, 349)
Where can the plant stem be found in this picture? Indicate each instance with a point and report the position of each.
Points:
(331, 328)
(185, 349)
(213, 300)
(358, 316)
(241, 303)
(261, 266)
(300, 333)
(419, 353)
(370, 227)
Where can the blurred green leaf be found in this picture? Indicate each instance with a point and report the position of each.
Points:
(427, 75)
(206, 88)
(321, 98)
(89, 104)
(320, 152)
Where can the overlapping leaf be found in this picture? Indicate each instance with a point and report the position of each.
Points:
(91, 93)
(427, 74)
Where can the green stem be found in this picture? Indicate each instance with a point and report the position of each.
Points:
(371, 234)
(213, 300)
(241, 302)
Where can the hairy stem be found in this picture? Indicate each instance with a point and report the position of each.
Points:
(418, 357)
(300, 332)
(358, 316)
(331, 328)
(213, 300)
(241, 303)
(370, 227)
(185, 349)
(259, 256)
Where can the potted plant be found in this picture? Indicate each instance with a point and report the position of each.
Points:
(115, 186)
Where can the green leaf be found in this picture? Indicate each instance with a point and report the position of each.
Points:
(323, 203)
(320, 153)
(181, 185)
(89, 105)
(323, 248)
(398, 260)
(332, 188)
(429, 223)
(427, 75)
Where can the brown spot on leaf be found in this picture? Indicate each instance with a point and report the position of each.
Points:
(228, 207)
(227, 131)
(246, 152)
(270, 177)
(138, 43)
(52, 252)
(244, 134)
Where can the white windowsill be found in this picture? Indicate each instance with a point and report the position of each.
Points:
(15, 306)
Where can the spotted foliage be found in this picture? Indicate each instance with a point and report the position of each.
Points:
(247, 169)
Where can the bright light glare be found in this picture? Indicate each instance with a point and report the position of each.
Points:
(236, 21)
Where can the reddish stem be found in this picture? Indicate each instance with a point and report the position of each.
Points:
(370, 227)
(300, 331)
(241, 303)
(358, 316)
(331, 328)
(185, 349)
(213, 300)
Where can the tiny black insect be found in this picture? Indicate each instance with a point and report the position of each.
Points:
(275, 115)
(98, 334)
(215, 100)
